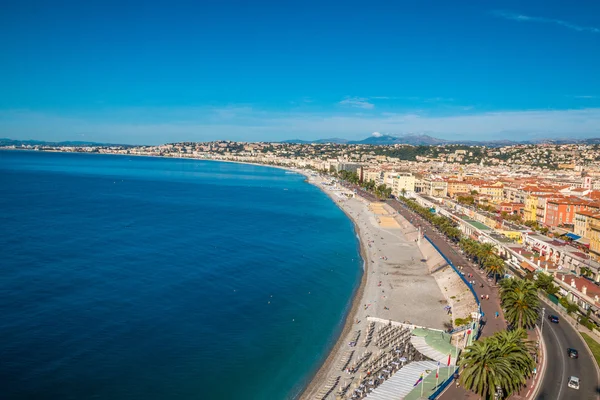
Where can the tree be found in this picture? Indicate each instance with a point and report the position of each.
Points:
(468, 200)
(521, 303)
(545, 282)
(485, 251)
(503, 359)
(571, 307)
(403, 192)
(585, 271)
(495, 265)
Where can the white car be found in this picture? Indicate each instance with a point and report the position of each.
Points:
(573, 382)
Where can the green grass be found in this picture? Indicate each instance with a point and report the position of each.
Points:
(593, 345)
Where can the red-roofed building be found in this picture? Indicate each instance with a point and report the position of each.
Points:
(511, 208)
(561, 211)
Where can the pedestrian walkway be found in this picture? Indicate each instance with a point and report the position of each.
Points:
(489, 307)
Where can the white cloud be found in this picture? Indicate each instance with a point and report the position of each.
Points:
(153, 126)
(358, 102)
(376, 134)
(527, 18)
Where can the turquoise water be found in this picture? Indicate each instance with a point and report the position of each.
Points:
(147, 278)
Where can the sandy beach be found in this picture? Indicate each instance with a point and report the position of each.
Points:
(403, 281)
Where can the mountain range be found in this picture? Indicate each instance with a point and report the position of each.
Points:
(426, 140)
(16, 142)
(379, 140)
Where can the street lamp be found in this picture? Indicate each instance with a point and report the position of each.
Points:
(542, 327)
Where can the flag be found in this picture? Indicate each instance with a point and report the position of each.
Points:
(437, 373)
(419, 380)
(449, 355)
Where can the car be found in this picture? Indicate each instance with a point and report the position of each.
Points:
(573, 383)
(572, 353)
(553, 318)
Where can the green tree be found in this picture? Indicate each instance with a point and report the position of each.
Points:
(495, 265)
(545, 282)
(521, 303)
(585, 271)
(503, 359)
(484, 252)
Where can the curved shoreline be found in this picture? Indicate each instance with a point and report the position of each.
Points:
(317, 379)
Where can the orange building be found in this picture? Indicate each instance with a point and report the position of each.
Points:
(561, 211)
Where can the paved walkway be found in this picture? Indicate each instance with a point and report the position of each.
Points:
(472, 272)
(489, 307)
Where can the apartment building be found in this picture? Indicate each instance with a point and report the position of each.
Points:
(561, 211)
(457, 188)
(371, 175)
(400, 182)
(494, 193)
(594, 235)
(582, 221)
(431, 187)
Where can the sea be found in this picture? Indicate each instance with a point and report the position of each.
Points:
(126, 277)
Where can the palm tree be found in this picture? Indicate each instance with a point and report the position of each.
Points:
(495, 265)
(521, 304)
(501, 360)
(507, 285)
(485, 251)
(403, 192)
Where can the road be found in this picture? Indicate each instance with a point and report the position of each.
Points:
(489, 307)
(558, 338)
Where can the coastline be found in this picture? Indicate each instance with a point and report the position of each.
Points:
(406, 282)
(321, 373)
(317, 376)
(397, 285)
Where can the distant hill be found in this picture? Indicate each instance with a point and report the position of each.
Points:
(426, 140)
(320, 141)
(415, 140)
(13, 142)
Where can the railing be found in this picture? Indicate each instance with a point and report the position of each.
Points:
(441, 388)
(460, 328)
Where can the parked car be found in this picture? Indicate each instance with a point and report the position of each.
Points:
(572, 353)
(573, 382)
(553, 318)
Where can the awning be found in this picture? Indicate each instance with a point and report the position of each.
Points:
(583, 241)
(572, 236)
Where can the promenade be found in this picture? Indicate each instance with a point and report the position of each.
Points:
(396, 286)
(488, 307)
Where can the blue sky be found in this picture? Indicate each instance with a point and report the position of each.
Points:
(154, 71)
